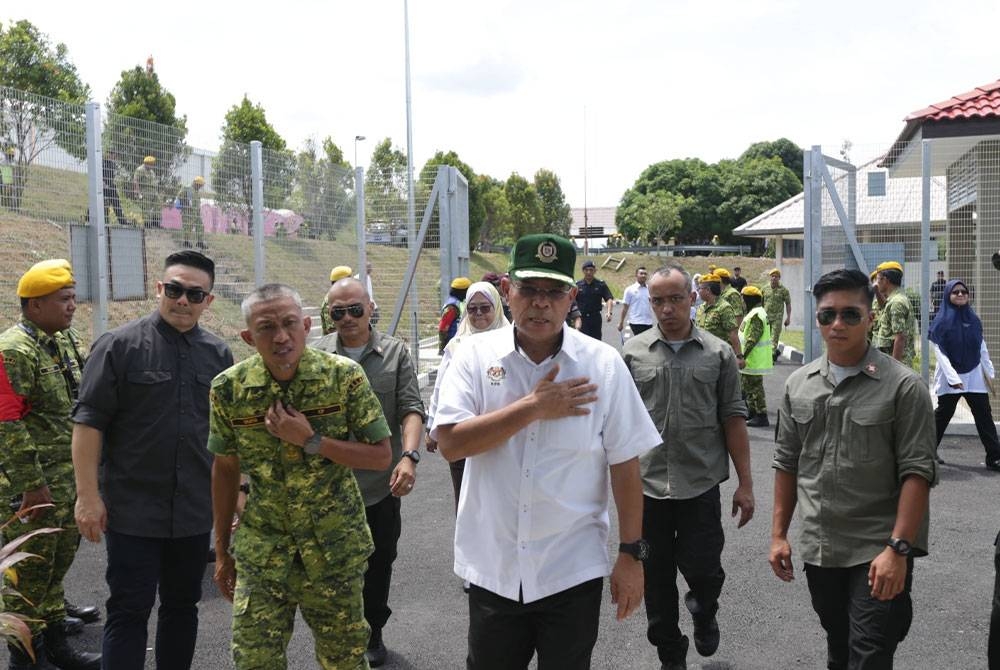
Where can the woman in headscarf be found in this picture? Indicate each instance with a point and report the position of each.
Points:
(963, 365)
(483, 311)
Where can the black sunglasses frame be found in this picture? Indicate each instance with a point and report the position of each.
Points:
(851, 316)
(174, 291)
(357, 310)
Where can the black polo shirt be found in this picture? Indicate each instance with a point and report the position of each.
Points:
(145, 387)
(590, 296)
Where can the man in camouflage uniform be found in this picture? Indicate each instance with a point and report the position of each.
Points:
(896, 327)
(147, 188)
(40, 362)
(326, 322)
(296, 420)
(755, 341)
(730, 294)
(189, 202)
(715, 315)
(777, 303)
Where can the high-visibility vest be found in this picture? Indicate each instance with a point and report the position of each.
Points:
(759, 360)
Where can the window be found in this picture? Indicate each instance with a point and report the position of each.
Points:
(792, 248)
(876, 184)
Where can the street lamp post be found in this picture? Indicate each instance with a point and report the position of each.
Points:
(357, 138)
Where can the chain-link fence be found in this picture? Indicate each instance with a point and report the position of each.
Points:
(152, 181)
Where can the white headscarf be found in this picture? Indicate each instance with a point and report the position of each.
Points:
(465, 327)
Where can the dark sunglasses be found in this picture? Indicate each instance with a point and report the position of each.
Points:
(174, 291)
(479, 309)
(850, 316)
(960, 291)
(356, 310)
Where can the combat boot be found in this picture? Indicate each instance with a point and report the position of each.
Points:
(87, 613)
(63, 656)
(19, 659)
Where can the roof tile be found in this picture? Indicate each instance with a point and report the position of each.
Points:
(980, 102)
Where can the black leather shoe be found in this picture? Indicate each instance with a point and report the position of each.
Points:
(71, 625)
(63, 656)
(993, 465)
(706, 627)
(674, 665)
(376, 652)
(758, 421)
(85, 613)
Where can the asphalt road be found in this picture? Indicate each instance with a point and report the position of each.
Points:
(765, 623)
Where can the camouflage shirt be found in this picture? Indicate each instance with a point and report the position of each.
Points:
(300, 503)
(776, 300)
(718, 319)
(735, 300)
(146, 182)
(39, 378)
(896, 317)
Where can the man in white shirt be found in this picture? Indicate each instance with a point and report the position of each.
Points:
(636, 305)
(544, 416)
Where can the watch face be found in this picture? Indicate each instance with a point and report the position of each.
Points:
(643, 548)
(412, 455)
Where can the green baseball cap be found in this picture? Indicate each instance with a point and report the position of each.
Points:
(543, 256)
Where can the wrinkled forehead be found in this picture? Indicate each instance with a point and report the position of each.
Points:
(279, 309)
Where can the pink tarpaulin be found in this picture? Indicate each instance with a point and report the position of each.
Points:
(216, 221)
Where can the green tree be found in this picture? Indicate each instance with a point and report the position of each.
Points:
(555, 210)
(496, 228)
(654, 217)
(789, 152)
(244, 123)
(324, 189)
(41, 101)
(526, 215)
(698, 182)
(143, 122)
(386, 187)
(477, 209)
(751, 187)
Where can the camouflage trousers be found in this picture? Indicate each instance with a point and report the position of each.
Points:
(40, 580)
(192, 224)
(264, 615)
(753, 392)
(776, 325)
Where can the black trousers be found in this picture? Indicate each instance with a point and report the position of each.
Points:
(385, 524)
(137, 566)
(457, 469)
(638, 327)
(979, 403)
(562, 628)
(683, 535)
(994, 640)
(862, 633)
(592, 325)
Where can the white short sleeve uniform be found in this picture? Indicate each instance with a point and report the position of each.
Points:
(533, 512)
(637, 299)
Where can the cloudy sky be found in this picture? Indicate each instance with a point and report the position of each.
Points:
(595, 91)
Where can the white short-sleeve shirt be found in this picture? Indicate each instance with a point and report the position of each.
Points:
(637, 299)
(533, 512)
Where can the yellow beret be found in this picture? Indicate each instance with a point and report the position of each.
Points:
(711, 268)
(709, 278)
(199, 181)
(45, 277)
(873, 275)
(752, 290)
(775, 271)
(889, 265)
(461, 283)
(723, 273)
(149, 160)
(340, 272)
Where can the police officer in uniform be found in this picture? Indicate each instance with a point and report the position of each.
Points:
(591, 292)
(41, 359)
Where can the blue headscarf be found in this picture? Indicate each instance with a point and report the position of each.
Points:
(957, 331)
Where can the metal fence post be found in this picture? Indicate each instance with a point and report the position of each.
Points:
(257, 190)
(98, 233)
(444, 226)
(359, 198)
(925, 257)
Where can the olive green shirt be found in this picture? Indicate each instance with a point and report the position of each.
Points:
(776, 301)
(850, 446)
(301, 503)
(387, 363)
(896, 317)
(735, 300)
(688, 394)
(718, 319)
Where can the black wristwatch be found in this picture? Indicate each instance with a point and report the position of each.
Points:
(412, 455)
(639, 549)
(899, 545)
(312, 444)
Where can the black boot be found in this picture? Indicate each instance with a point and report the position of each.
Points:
(758, 420)
(19, 659)
(86, 613)
(71, 626)
(61, 655)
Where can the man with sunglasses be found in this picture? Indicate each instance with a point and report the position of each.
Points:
(545, 417)
(855, 451)
(389, 368)
(40, 362)
(143, 416)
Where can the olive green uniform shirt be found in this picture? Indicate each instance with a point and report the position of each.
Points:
(387, 363)
(775, 302)
(688, 394)
(850, 446)
(735, 300)
(301, 503)
(897, 317)
(718, 319)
